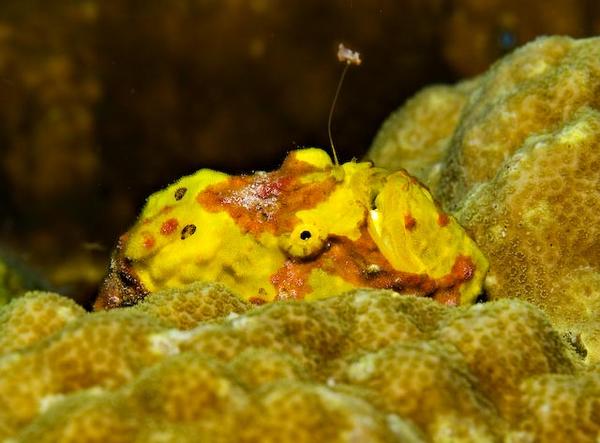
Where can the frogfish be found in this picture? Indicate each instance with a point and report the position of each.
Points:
(310, 229)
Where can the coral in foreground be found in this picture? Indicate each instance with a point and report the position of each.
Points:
(369, 365)
(36, 315)
(184, 308)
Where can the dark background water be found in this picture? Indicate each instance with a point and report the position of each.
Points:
(104, 102)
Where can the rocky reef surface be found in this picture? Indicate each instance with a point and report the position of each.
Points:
(200, 364)
(513, 154)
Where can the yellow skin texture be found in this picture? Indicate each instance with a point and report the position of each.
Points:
(370, 365)
(245, 259)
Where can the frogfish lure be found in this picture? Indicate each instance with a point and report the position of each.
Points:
(308, 230)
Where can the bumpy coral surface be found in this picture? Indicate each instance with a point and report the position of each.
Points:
(538, 220)
(521, 171)
(416, 136)
(370, 365)
(308, 230)
(184, 308)
(34, 316)
(536, 90)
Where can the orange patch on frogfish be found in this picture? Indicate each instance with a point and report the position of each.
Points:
(463, 268)
(148, 241)
(443, 219)
(267, 201)
(291, 280)
(448, 297)
(361, 264)
(358, 262)
(169, 226)
(409, 222)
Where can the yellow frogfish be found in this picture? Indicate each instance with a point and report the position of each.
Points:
(308, 230)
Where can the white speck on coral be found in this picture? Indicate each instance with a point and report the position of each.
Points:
(240, 323)
(362, 369)
(232, 316)
(167, 343)
(403, 429)
(47, 401)
(66, 313)
(546, 410)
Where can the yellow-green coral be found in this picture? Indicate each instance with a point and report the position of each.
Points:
(92, 351)
(538, 221)
(93, 416)
(184, 308)
(521, 172)
(305, 231)
(564, 403)
(34, 316)
(427, 382)
(536, 90)
(369, 365)
(416, 136)
(497, 359)
(295, 412)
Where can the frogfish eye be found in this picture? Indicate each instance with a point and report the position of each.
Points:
(305, 241)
